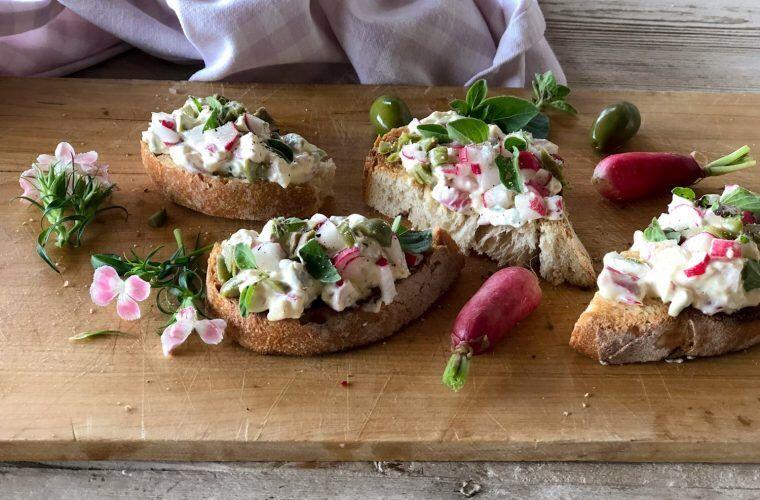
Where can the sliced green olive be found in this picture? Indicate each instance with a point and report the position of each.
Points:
(377, 229)
(388, 112)
(615, 126)
(222, 273)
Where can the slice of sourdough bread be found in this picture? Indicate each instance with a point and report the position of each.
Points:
(235, 198)
(322, 330)
(550, 245)
(616, 333)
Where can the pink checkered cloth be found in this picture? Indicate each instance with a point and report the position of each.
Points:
(424, 42)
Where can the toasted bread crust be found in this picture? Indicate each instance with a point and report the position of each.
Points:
(322, 330)
(550, 245)
(233, 198)
(615, 333)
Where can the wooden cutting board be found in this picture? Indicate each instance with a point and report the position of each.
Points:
(119, 398)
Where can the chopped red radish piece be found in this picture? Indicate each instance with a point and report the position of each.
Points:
(168, 124)
(223, 137)
(537, 204)
(255, 124)
(725, 249)
(748, 217)
(167, 135)
(538, 188)
(345, 257)
(699, 268)
(412, 259)
(463, 157)
(555, 204)
(475, 168)
(528, 160)
(382, 261)
(698, 243)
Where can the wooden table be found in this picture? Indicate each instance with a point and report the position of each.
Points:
(593, 44)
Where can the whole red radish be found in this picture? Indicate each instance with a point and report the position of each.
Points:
(630, 176)
(506, 298)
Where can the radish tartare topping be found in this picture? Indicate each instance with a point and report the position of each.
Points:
(342, 261)
(464, 177)
(214, 135)
(702, 253)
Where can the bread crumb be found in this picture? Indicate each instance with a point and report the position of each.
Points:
(566, 413)
(65, 283)
(118, 403)
(92, 310)
(585, 405)
(587, 395)
(127, 408)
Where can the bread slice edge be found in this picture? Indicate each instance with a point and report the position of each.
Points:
(550, 245)
(322, 330)
(234, 198)
(615, 333)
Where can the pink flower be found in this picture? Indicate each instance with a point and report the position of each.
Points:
(65, 155)
(26, 180)
(107, 285)
(65, 159)
(211, 331)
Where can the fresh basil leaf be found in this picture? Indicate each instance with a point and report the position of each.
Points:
(244, 258)
(246, 297)
(509, 171)
(110, 259)
(548, 162)
(416, 241)
(539, 126)
(197, 103)
(468, 130)
(435, 131)
(561, 91)
(212, 122)
(377, 229)
(476, 93)
(564, 106)
(751, 274)
(460, 107)
(281, 149)
(510, 113)
(317, 262)
(397, 227)
(684, 192)
(654, 232)
(743, 199)
(516, 140)
(98, 333)
(289, 225)
(215, 104)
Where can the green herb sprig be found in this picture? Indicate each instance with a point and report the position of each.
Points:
(509, 113)
(69, 202)
(548, 93)
(179, 278)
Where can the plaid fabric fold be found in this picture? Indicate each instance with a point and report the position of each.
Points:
(424, 42)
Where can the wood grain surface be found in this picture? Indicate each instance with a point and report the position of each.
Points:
(119, 398)
(656, 45)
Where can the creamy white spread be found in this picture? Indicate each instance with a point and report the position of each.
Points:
(283, 285)
(465, 178)
(241, 147)
(699, 263)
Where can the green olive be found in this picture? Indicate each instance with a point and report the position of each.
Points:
(388, 112)
(615, 125)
